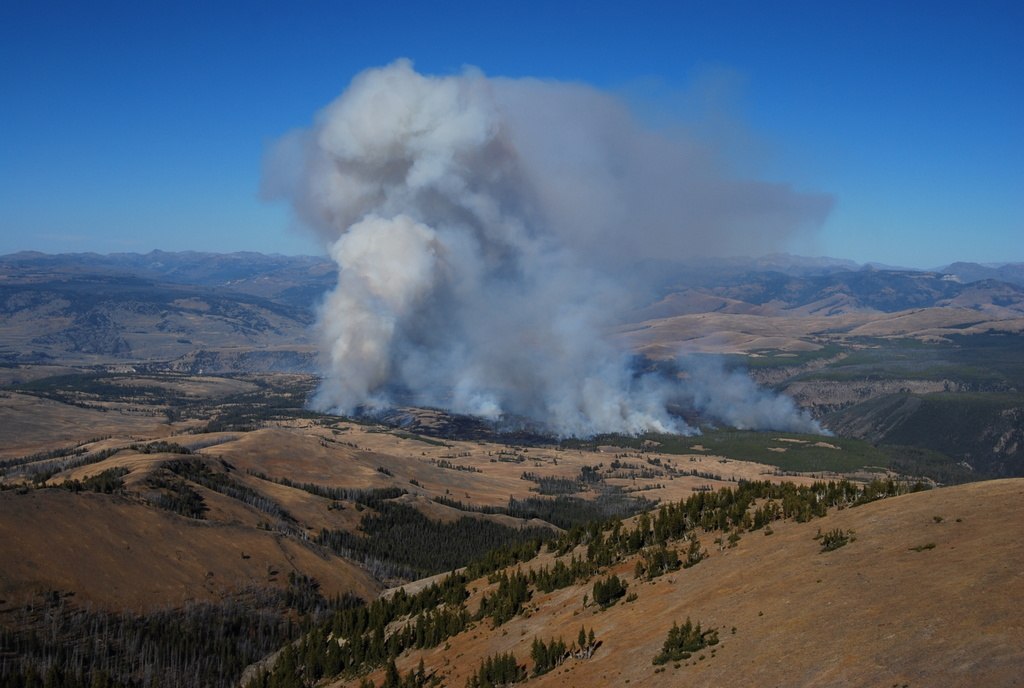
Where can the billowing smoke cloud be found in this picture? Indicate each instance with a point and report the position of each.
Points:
(476, 223)
(731, 397)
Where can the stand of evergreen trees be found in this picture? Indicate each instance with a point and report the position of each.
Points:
(507, 601)
(353, 641)
(684, 640)
(176, 495)
(550, 655)
(609, 591)
(200, 472)
(563, 511)
(205, 644)
(547, 656)
(499, 670)
(402, 535)
(549, 579)
(658, 560)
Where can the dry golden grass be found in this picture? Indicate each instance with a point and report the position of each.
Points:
(115, 554)
(30, 424)
(120, 551)
(873, 613)
(723, 332)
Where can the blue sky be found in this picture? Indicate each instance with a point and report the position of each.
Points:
(142, 125)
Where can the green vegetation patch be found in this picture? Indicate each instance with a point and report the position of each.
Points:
(958, 436)
(563, 511)
(775, 358)
(499, 670)
(248, 410)
(609, 591)
(990, 361)
(787, 451)
(927, 463)
(438, 612)
(834, 539)
(951, 420)
(684, 640)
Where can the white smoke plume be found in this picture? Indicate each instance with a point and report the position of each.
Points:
(477, 222)
(730, 396)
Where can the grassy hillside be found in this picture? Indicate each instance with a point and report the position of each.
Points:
(918, 589)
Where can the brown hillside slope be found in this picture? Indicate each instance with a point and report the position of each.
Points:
(117, 554)
(873, 613)
(725, 332)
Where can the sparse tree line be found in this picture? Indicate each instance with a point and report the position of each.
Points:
(200, 473)
(48, 464)
(357, 639)
(655, 561)
(38, 474)
(508, 458)
(73, 451)
(169, 483)
(589, 476)
(360, 640)
(548, 485)
(86, 390)
(247, 411)
(445, 463)
(550, 655)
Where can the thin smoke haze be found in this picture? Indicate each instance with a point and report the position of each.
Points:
(478, 223)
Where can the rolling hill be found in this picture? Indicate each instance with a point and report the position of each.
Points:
(924, 594)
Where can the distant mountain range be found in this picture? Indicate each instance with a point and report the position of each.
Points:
(166, 306)
(224, 269)
(293, 280)
(242, 311)
(973, 272)
(804, 266)
(866, 290)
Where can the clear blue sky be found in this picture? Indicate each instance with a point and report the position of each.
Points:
(129, 126)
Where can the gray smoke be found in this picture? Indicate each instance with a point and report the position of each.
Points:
(476, 223)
